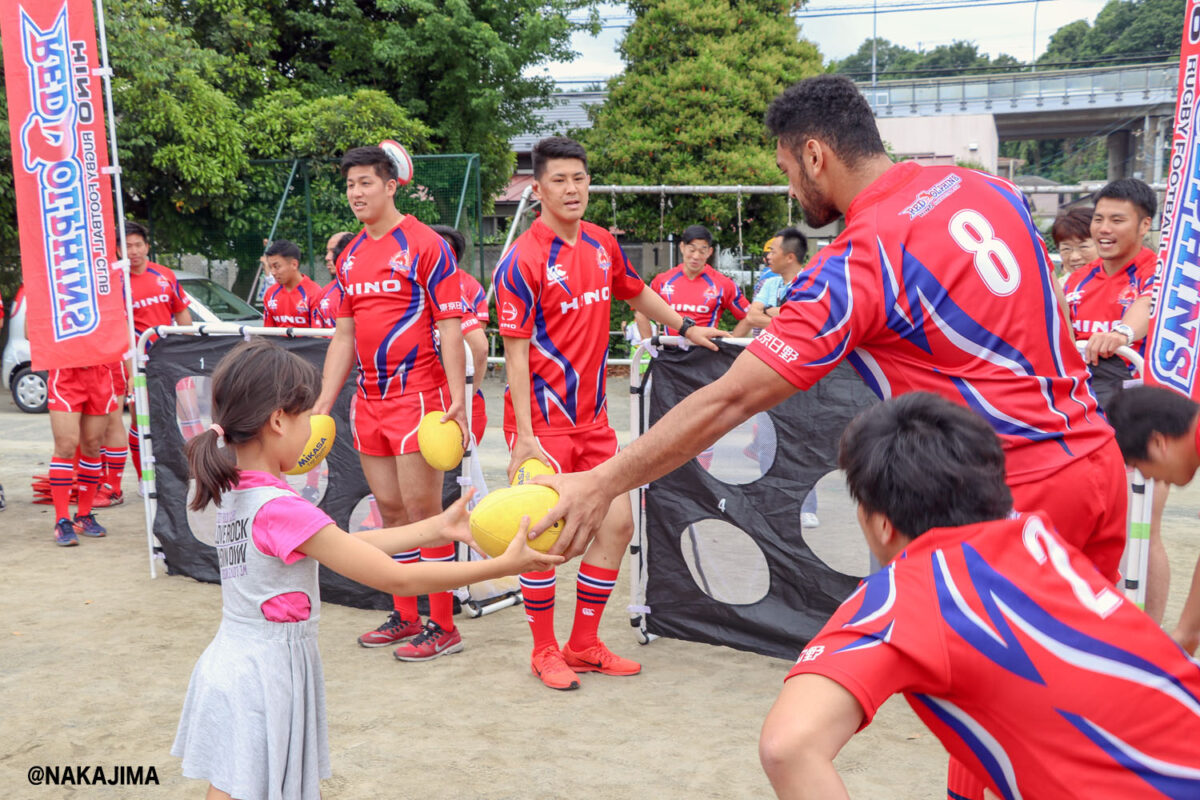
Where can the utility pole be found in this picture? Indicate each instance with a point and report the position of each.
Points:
(874, 36)
(1033, 58)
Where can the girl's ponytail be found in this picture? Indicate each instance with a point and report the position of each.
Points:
(212, 467)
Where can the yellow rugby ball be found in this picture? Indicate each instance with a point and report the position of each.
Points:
(440, 442)
(529, 468)
(495, 521)
(320, 442)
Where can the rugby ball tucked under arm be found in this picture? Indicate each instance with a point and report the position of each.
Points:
(495, 521)
(320, 442)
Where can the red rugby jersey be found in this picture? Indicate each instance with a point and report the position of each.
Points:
(1027, 665)
(559, 296)
(475, 310)
(396, 288)
(1099, 300)
(157, 297)
(941, 283)
(291, 308)
(701, 299)
(329, 302)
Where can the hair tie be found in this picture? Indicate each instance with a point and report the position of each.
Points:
(220, 431)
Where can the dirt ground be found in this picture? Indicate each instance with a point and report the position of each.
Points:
(95, 658)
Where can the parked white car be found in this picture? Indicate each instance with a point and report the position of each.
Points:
(210, 302)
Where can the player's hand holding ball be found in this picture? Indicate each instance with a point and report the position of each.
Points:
(441, 441)
(456, 524)
(523, 558)
(524, 449)
(497, 518)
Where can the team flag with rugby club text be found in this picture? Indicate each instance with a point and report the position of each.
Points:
(76, 309)
(1173, 348)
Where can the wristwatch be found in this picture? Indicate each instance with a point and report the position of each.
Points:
(1121, 327)
(683, 327)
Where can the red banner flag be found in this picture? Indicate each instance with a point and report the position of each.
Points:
(1171, 354)
(75, 315)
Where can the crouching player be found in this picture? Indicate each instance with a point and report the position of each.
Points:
(1034, 673)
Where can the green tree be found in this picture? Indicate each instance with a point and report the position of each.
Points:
(459, 66)
(688, 109)
(1149, 29)
(891, 61)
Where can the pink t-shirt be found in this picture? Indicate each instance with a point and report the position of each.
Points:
(282, 525)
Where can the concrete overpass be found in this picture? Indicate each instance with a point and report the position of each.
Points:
(1132, 106)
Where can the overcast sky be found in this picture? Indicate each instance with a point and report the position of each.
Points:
(996, 29)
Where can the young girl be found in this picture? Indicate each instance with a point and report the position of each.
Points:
(253, 722)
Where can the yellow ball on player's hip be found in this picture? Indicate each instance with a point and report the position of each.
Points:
(440, 442)
(530, 468)
(320, 442)
(497, 518)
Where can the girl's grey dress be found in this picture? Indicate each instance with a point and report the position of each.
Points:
(253, 722)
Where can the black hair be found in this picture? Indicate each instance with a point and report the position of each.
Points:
(341, 244)
(555, 147)
(284, 248)
(1137, 192)
(1073, 224)
(924, 462)
(693, 232)
(253, 381)
(1139, 411)
(791, 240)
(453, 237)
(136, 229)
(829, 108)
(370, 156)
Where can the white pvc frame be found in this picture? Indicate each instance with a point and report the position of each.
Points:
(1137, 547)
(1141, 510)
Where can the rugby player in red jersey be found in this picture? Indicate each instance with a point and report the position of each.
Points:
(695, 290)
(1109, 300)
(554, 290)
(157, 299)
(292, 300)
(400, 283)
(330, 300)
(1021, 659)
(940, 282)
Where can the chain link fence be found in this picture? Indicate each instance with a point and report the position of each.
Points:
(304, 201)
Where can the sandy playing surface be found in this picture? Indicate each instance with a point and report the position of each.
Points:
(95, 658)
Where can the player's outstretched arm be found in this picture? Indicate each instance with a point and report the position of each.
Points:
(699, 420)
(339, 357)
(810, 723)
(370, 566)
(650, 304)
(452, 525)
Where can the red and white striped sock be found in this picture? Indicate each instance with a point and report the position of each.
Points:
(592, 590)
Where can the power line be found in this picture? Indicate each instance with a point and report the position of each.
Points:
(916, 5)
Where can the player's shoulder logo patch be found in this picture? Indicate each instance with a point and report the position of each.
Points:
(1126, 296)
(929, 199)
(667, 291)
(712, 293)
(509, 313)
(163, 284)
(347, 265)
(272, 304)
(603, 261)
(302, 307)
(400, 262)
